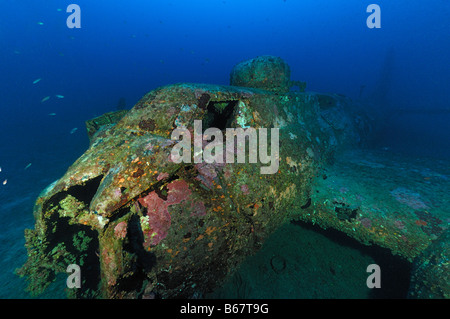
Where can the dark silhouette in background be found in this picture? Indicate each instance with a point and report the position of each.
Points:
(121, 105)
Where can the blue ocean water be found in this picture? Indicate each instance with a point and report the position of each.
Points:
(54, 78)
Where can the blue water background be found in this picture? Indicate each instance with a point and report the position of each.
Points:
(127, 48)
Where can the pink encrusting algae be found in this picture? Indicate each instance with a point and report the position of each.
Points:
(407, 197)
(207, 174)
(198, 208)
(178, 191)
(162, 176)
(366, 222)
(120, 231)
(399, 224)
(156, 224)
(244, 189)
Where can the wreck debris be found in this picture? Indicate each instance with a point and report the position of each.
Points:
(141, 225)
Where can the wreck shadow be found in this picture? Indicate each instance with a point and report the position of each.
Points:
(395, 270)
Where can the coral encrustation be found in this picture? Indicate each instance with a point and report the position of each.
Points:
(155, 225)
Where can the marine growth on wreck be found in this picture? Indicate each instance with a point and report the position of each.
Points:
(140, 224)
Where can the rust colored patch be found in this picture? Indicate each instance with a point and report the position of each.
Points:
(139, 172)
(106, 169)
(421, 222)
(210, 230)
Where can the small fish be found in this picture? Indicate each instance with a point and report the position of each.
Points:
(51, 114)
(59, 96)
(5, 181)
(45, 99)
(40, 23)
(59, 9)
(36, 81)
(74, 130)
(28, 166)
(0, 169)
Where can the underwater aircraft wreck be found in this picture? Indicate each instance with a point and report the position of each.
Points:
(139, 224)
